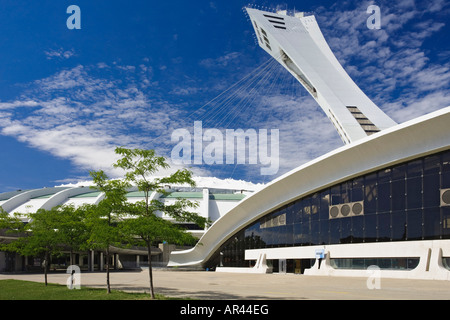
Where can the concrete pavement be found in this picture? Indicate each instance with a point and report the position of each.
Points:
(202, 285)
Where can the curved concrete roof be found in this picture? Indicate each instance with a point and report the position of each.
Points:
(213, 202)
(424, 135)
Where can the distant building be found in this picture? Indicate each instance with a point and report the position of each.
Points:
(214, 196)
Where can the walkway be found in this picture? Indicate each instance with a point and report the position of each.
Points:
(202, 285)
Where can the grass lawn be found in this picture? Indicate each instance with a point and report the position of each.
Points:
(28, 290)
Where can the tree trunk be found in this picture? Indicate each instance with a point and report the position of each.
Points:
(152, 292)
(108, 287)
(46, 266)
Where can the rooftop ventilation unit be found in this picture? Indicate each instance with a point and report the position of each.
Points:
(345, 210)
(445, 197)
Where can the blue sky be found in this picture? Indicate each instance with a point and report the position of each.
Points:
(138, 70)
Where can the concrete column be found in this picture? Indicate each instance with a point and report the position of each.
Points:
(101, 262)
(91, 255)
(204, 206)
(166, 250)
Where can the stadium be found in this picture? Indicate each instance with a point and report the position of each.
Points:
(215, 197)
(382, 199)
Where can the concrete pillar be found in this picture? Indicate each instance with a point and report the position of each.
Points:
(101, 262)
(204, 206)
(91, 260)
(166, 250)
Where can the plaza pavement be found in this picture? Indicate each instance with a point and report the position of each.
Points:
(203, 285)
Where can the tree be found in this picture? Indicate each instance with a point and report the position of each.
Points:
(140, 165)
(11, 228)
(72, 228)
(47, 232)
(104, 219)
(42, 237)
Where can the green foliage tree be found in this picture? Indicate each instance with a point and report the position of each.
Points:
(72, 229)
(46, 233)
(140, 167)
(11, 228)
(104, 219)
(42, 237)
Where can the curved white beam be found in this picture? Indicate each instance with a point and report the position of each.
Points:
(425, 135)
(62, 196)
(14, 202)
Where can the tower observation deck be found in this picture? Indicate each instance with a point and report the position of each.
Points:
(297, 43)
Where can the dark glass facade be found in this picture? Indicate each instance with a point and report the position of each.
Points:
(400, 203)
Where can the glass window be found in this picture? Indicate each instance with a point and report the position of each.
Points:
(346, 230)
(384, 197)
(414, 224)
(445, 170)
(298, 234)
(324, 232)
(280, 234)
(357, 190)
(399, 172)
(414, 169)
(306, 205)
(358, 229)
(400, 203)
(297, 212)
(335, 194)
(398, 195)
(370, 228)
(431, 165)
(290, 213)
(384, 175)
(289, 236)
(324, 205)
(250, 237)
(414, 193)
(445, 225)
(315, 205)
(345, 192)
(398, 223)
(384, 227)
(306, 233)
(335, 231)
(370, 193)
(431, 194)
(432, 223)
(315, 232)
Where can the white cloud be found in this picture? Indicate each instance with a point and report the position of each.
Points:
(60, 54)
(222, 61)
(390, 64)
(76, 114)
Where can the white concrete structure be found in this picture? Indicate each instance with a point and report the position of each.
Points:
(298, 45)
(388, 224)
(213, 201)
(215, 197)
(423, 136)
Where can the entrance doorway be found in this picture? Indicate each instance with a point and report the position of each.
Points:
(296, 266)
